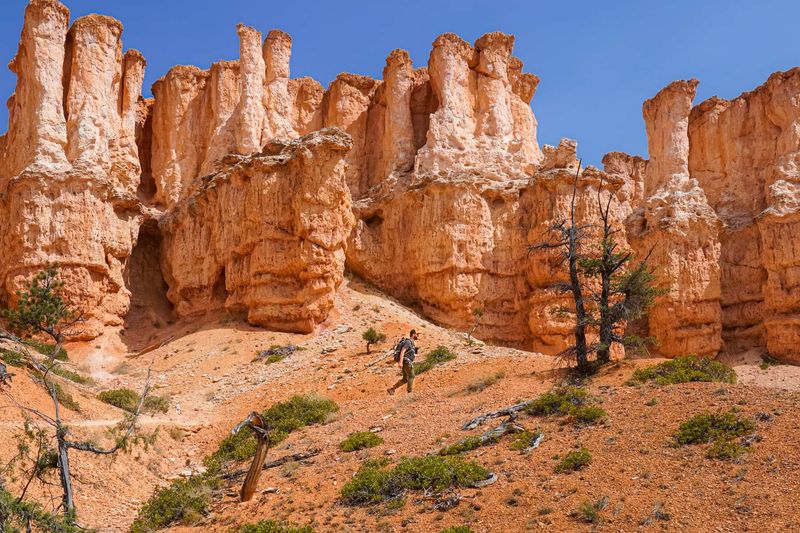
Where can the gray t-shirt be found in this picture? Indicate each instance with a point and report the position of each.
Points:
(411, 350)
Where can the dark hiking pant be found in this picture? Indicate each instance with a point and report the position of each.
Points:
(408, 377)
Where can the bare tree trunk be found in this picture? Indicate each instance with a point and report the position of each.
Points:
(581, 352)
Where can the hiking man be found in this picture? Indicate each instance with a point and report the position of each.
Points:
(405, 352)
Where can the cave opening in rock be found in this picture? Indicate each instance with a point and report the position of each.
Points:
(373, 221)
(149, 303)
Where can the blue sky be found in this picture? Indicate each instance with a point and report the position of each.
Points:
(598, 60)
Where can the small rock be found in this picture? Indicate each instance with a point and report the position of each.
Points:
(390, 451)
(270, 490)
(375, 429)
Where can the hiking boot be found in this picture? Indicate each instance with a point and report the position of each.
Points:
(390, 391)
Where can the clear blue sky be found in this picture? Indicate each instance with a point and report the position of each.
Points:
(598, 60)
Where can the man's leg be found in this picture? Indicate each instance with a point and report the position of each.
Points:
(400, 383)
(408, 376)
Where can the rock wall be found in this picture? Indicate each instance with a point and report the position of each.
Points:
(69, 163)
(455, 244)
(745, 154)
(247, 209)
(679, 232)
(265, 236)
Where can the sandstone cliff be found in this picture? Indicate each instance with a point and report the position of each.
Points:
(220, 183)
(679, 232)
(266, 236)
(745, 154)
(69, 164)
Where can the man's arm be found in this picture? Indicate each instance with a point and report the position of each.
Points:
(402, 354)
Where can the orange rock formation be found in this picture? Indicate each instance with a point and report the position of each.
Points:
(221, 179)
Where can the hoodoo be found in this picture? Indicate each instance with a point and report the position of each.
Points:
(432, 187)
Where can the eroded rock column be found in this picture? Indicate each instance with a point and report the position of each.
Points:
(679, 231)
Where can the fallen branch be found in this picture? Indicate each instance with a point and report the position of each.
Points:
(381, 358)
(299, 456)
(508, 411)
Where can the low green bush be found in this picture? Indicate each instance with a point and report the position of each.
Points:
(560, 401)
(684, 370)
(71, 375)
(437, 356)
(269, 526)
(20, 515)
(128, 400)
(523, 440)
(457, 529)
(465, 445)
(185, 501)
(586, 512)
(47, 349)
(718, 430)
(573, 461)
(703, 428)
(282, 418)
(587, 415)
(360, 440)
(12, 358)
(373, 483)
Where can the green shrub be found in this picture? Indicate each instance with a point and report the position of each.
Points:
(125, 399)
(725, 450)
(72, 376)
(185, 501)
(282, 418)
(16, 515)
(437, 356)
(12, 358)
(457, 529)
(767, 361)
(522, 440)
(276, 353)
(65, 398)
(560, 401)
(574, 460)
(587, 415)
(587, 513)
(465, 445)
(373, 483)
(705, 428)
(590, 512)
(719, 430)
(372, 336)
(268, 526)
(128, 400)
(684, 370)
(360, 440)
(47, 349)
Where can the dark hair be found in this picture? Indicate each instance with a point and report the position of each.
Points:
(413, 332)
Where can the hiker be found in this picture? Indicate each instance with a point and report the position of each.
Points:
(405, 351)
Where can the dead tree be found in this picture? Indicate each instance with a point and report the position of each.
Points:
(568, 237)
(624, 293)
(260, 427)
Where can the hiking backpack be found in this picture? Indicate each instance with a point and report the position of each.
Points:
(398, 347)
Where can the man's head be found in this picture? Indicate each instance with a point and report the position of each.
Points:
(414, 335)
